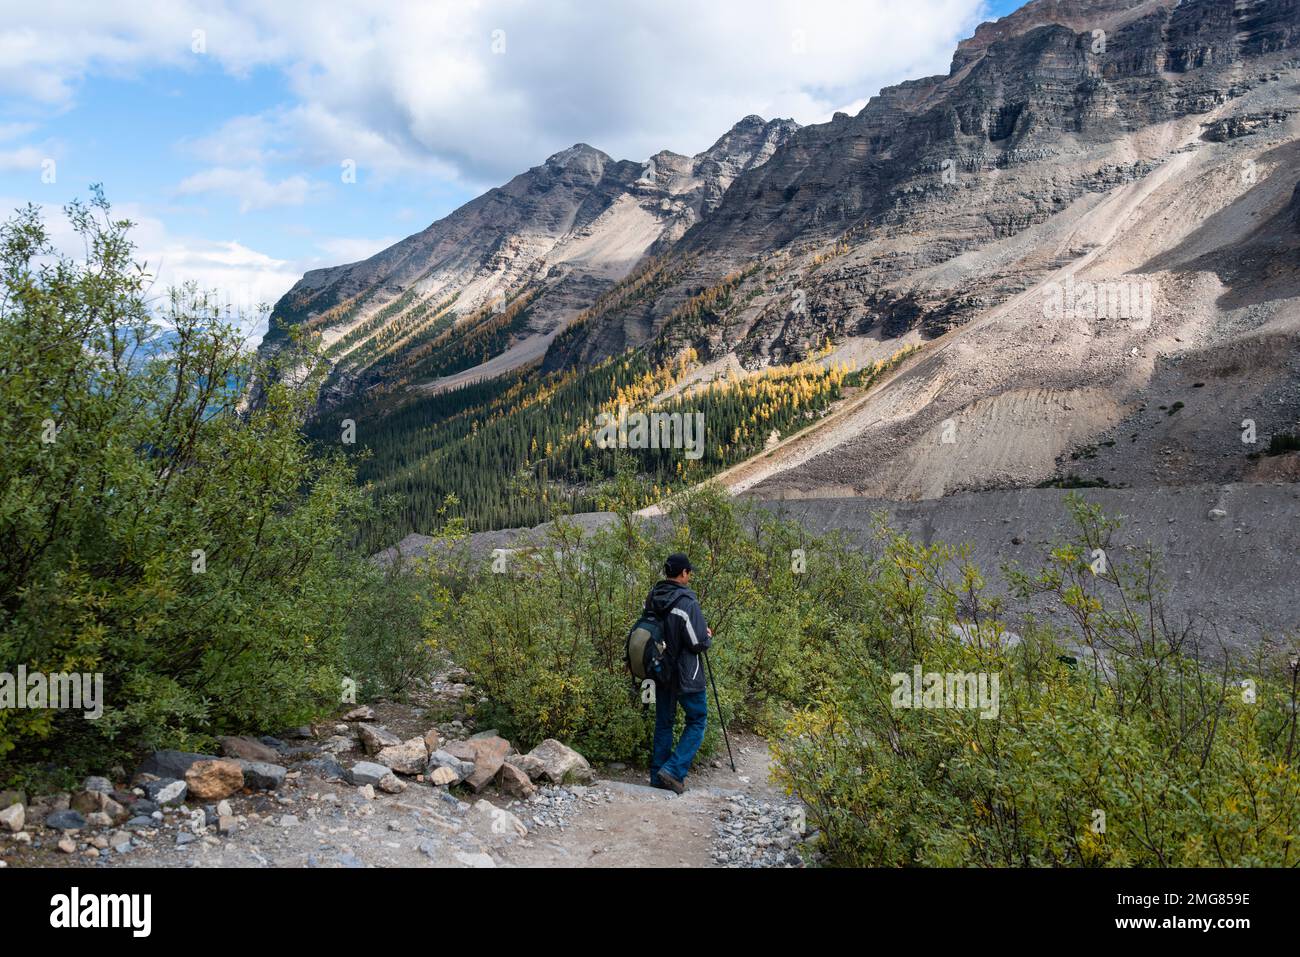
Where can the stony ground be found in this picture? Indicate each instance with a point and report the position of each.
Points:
(316, 819)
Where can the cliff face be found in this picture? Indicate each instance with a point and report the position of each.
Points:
(1037, 111)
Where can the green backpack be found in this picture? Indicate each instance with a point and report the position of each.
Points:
(646, 649)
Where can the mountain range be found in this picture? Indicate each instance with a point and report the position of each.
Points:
(1084, 237)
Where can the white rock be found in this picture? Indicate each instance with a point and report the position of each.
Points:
(496, 824)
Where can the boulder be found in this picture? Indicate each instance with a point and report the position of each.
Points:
(248, 749)
(13, 818)
(95, 783)
(171, 764)
(561, 764)
(40, 807)
(325, 768)
(390, 784)
(262, 775)
(461, 750)
(214, 779)
(443, 760)
(409, 757)
(367, 772)
(495, 825)
(337, 744)
(514, 782)
(166, 791)
(98, 802)
(374, 738)
(65, 821)
(437, 777)
(489, 755)
(363, 713)
(530, 765)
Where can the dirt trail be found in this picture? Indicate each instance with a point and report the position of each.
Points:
(647, 827)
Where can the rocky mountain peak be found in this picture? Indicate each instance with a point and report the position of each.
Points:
(1078, 15)
(750, 136)
(580, 156)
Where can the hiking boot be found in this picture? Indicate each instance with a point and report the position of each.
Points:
(671, 782)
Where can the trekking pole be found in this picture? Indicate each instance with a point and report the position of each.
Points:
(718, 701)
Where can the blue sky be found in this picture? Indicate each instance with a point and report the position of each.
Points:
(225, 129)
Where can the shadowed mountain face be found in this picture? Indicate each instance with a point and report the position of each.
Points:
(555, 236)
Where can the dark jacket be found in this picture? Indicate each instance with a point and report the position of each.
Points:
(685, 631)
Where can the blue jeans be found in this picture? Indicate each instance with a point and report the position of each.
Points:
(677, 763)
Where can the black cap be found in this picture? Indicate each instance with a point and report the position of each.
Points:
(676, 564)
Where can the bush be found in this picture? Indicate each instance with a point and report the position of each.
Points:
(151, 527)
(394, 608)
(1141, 753)
(545, 639)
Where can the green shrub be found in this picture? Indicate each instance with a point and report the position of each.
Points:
(545, 638)
(386, 647)
(1140, 754)
(151, 528)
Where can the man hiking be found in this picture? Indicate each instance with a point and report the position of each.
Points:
(687, 636)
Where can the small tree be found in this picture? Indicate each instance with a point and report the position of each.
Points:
(153, 527)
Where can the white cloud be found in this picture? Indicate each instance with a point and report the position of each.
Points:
(240, 141)
(243, 278)
(11, 131)
(23, 159)
(487, 89)
(471, 91)
(250, 186)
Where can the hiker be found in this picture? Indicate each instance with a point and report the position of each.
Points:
(687, 636)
